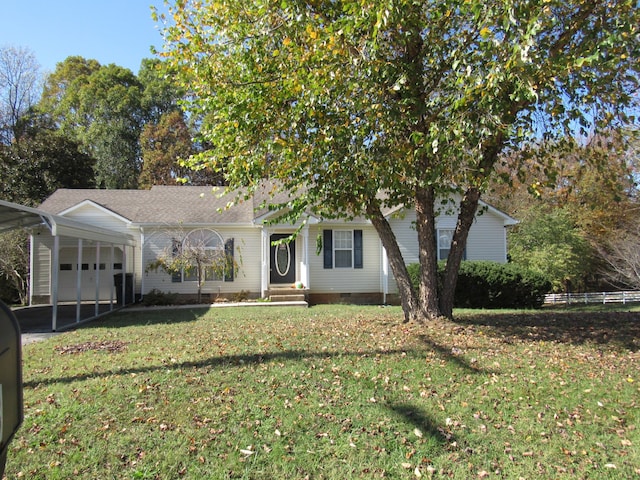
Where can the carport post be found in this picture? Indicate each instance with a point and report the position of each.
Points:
(54, 282)
(124, 275)
(111, 287)
(79, 282)
(97, 274)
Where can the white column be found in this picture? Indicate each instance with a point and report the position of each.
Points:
(124, 275)
(264, 278)
(79, 281)
(111, 280)
(304, 264)
(55, 269)
(97, 274)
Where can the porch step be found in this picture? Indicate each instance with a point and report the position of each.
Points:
(287, 298)
(287, 295)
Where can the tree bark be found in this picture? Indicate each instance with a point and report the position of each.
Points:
(468, 208)
(427, 254)
(408, 299)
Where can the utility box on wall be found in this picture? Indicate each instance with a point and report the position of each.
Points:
(11, 410)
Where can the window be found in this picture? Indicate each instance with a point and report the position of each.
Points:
(445, 237)
(204, 249)
(342, 248)
(66, 267)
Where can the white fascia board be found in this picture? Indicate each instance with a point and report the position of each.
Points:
(96, 206)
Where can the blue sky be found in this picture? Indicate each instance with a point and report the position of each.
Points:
(110, 31)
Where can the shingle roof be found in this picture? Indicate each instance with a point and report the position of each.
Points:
(162, 204)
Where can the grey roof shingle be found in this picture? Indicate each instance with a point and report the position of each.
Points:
(163, 204)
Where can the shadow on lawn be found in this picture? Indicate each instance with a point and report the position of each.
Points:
(618, 329)
(222, 361)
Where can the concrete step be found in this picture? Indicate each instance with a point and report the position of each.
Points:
(293, 297)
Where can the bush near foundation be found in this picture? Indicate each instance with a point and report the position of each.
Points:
(484, 284)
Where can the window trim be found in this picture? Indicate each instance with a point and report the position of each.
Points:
(439, 247)
(329, 249)
(220, 247)
(350, 249)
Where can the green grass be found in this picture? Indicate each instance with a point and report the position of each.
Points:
(333, 392)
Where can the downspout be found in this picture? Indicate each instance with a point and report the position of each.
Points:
(385, 276)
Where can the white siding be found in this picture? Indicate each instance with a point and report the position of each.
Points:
(487, 237)
(247, 254)
(346, 280)
(42, 244)
(98, 217)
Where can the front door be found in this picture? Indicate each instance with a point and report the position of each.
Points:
(282, 260)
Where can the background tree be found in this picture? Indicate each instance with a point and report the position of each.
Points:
(14, 266)
(622, 255)
(594, 186)
(339, 101)
(547, 242)
(163, 145)
(42, 161)
(101, 108)
(19, 88)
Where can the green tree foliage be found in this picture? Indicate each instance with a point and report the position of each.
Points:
(101, 108)
(548, 242)
(39, 162)
(159, 95)
(341, 100)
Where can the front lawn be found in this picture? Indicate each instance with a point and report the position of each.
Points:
(333, 392)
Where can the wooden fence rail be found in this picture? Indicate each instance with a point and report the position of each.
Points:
(594, 297)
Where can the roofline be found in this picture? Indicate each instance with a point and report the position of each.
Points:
(96, 205)
(507, 219)
(62, 226)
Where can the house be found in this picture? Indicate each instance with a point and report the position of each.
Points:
(332, 260)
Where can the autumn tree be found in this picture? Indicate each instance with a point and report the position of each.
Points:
(340, 101)
(593, 188)
(163, 146)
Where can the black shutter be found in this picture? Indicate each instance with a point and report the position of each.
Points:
(228, 253)
(357, 249)
(327, 244)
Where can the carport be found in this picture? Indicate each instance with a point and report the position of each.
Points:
(14, 216)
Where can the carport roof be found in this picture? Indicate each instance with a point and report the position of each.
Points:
(13, 215)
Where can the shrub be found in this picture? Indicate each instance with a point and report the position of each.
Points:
(484, 284)
(156, 297)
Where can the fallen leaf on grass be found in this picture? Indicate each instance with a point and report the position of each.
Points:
(113, 346)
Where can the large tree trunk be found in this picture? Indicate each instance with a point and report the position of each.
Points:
(468, 208)
(427, 254)
(408, 299)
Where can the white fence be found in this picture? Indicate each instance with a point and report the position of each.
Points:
(595, 297)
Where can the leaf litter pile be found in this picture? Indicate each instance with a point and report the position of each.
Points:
(333, 392)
